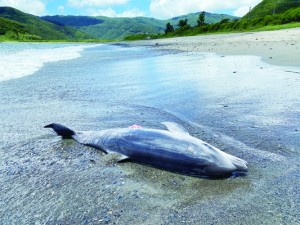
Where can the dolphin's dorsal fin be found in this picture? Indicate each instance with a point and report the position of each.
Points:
(175, 127)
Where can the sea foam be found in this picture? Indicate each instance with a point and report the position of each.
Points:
(19, 63)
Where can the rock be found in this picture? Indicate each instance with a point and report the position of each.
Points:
(92, 161)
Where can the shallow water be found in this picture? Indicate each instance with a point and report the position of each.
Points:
(23, 59)
(241, 105)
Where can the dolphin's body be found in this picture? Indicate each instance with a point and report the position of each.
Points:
(173, 149)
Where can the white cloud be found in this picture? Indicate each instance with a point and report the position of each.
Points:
(171, 8)
(95, 3)
(241, 11)
(109, 12)
(61, 9)
(35, 7)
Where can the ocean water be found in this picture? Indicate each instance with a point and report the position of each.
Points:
(20, 59)
(237, 103)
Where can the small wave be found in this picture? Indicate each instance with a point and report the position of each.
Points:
(27, 62)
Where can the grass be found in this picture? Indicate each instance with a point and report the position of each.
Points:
(278, 27)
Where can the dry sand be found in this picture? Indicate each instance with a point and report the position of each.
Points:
(281, 47)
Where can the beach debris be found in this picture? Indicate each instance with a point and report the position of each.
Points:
(134, 126)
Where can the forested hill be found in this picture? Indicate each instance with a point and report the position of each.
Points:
(109, 28)
(192, 18)
(272, 7)
(17, 25)
(119, 28)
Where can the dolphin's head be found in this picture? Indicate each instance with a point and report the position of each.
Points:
(236, 167)
(219, 163)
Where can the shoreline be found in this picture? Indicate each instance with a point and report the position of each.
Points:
(252, 114)
(280, 47)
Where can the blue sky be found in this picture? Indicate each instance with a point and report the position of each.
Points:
(161, 9)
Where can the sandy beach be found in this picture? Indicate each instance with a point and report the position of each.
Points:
(239, 104)
(281, 47)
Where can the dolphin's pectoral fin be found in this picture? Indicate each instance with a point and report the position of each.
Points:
(124, 159)
(97, 147)
(117, 156)
(175, 127)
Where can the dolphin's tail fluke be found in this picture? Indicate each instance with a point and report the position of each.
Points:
(61, 130)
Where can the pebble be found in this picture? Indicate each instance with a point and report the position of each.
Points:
(92, 161)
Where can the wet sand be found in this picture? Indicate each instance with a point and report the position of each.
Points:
(239, 104)
(281, 47)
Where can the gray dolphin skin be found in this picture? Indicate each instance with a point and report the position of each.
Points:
(173, 149)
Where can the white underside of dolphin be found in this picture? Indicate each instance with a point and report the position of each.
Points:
(173, 149)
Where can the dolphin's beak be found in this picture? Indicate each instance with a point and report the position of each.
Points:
(49, 126)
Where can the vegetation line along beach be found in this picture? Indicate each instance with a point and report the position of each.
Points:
(280, 47)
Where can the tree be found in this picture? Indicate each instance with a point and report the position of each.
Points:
(169, 28)
(182, 22)
(201, 19)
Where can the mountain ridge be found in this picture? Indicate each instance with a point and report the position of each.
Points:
(17, 25)
(117, 28)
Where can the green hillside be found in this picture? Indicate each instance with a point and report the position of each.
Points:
(16, 25)
(193, 17)
(109, 28)
(119, 28)
(271, 13)
(272, 7)
(10, 30)
(265, 16)
(72, 21)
